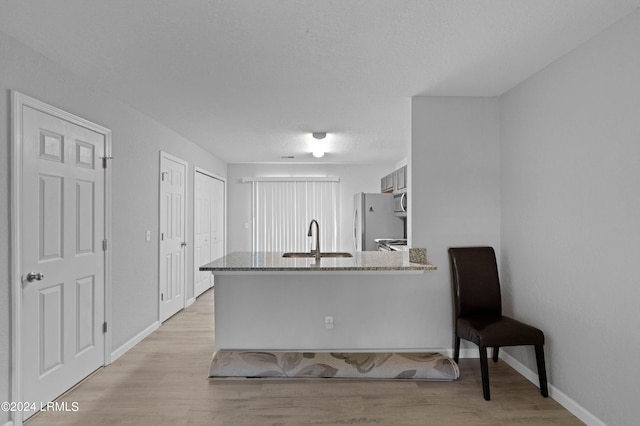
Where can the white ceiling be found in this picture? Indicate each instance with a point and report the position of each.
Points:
(249, 80)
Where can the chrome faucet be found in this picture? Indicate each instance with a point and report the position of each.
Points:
(317, 252)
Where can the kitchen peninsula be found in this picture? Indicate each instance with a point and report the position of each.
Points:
(372, 301)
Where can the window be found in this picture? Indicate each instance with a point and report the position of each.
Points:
(283, 209)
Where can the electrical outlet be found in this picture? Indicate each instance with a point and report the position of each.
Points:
(328, 322)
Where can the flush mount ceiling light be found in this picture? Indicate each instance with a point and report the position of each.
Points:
(318, 151)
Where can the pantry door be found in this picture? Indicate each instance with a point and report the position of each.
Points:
(173, 241)
(63, 242)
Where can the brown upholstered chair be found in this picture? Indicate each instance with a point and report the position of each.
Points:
(478, 312)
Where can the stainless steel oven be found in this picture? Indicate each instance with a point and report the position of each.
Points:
(389, 244)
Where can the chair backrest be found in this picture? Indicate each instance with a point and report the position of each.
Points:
(476, 286)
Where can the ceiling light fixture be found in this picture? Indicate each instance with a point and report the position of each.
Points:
(318, 151)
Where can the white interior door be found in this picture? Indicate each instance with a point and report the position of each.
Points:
(202, 232)
(218, 219)
(173, 190)
(63, 262)
(208, 227)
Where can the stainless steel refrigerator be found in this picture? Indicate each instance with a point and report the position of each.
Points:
(373, 218)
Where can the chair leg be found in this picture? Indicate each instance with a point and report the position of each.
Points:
(484, 370)
(496, 349)
(542, 371)
(456, 350)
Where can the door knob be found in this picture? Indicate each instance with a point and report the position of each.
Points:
(183, 244)
(35, 276)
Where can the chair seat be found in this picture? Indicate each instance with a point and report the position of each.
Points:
(496, 330)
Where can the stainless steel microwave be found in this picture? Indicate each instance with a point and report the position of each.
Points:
(400, 204)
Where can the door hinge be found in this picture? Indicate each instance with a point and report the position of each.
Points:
(161, 297)
(104, 161)
(104, 327)
(104, 245)
(162, 175)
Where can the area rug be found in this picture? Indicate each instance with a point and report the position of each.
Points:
(415, 366)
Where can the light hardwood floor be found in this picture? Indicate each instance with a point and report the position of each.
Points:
(163, 381)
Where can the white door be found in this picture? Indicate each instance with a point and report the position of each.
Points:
(208, 227)
(217, 219)
(63, 261)
(173, 190)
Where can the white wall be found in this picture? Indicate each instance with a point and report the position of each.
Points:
(353, 178)
(137, 140)
(454, 197)
(570, 140)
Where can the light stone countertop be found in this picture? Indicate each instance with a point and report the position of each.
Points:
(274, 262)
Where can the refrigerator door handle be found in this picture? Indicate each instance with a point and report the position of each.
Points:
(355, 221)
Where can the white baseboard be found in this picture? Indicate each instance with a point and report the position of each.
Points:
(134, 341)
(563, 399)
(189, 302)
(464, 352)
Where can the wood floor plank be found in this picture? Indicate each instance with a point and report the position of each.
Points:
(163, 381)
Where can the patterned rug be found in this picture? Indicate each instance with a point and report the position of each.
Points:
(415, 366)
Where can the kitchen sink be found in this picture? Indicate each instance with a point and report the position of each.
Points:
(324, 254)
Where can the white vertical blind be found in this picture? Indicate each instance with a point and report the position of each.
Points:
(282, 211)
